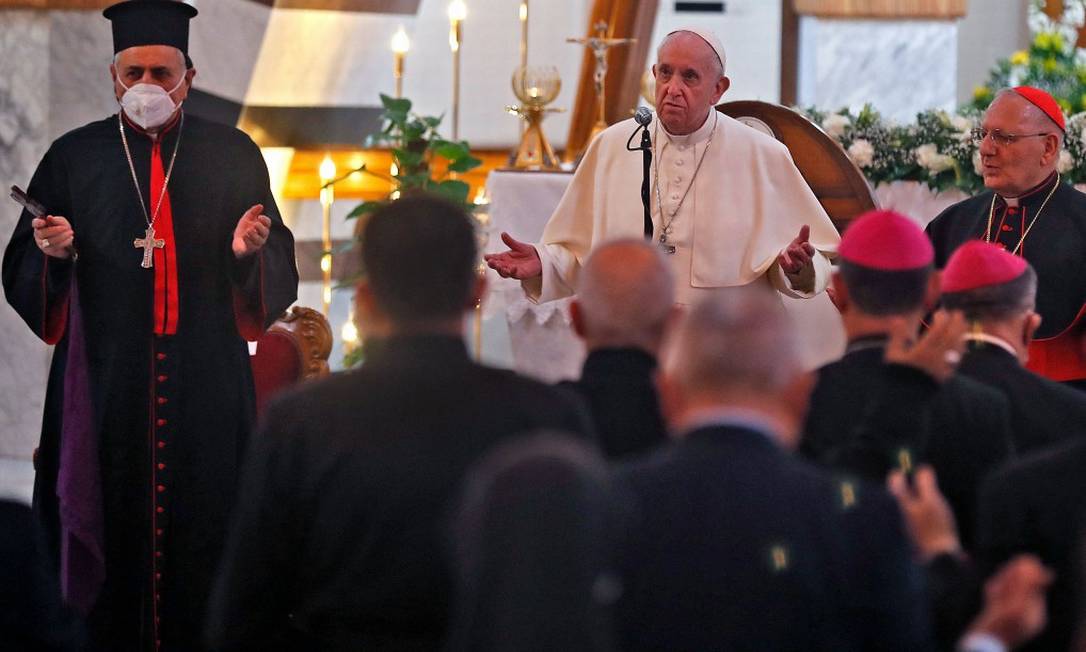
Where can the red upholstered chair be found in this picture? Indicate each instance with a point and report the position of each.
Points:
(293, 350)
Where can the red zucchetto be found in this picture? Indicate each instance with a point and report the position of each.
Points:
(1043, 101)
(887, 241)
(978, 264)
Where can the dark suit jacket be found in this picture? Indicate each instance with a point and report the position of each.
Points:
(864, 413)
(1038, 505)
(337, 539)
(1043, 412)
(618, 386)
(740, 546)
(32, 617)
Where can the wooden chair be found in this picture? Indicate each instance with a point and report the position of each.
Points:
(836, 181)
(294, 349)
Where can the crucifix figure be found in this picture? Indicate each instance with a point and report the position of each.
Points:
(148, 243)
(600, 44)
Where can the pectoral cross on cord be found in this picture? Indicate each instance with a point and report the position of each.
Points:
(148, 243)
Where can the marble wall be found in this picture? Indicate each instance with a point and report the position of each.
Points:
(900, 67)
(24, 135)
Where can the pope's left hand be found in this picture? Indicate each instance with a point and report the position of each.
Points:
(251, 232)
(798, 254)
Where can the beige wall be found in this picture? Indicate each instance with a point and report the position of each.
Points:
(992, 30)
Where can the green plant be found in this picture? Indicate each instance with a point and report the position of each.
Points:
(423, 160)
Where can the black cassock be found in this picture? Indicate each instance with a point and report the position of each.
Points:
(1056, 248)
(169, 415)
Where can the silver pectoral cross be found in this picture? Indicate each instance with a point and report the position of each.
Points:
(148, 243)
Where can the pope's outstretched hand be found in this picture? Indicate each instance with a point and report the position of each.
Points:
(520, 262)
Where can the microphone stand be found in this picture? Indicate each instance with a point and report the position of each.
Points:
(646, 166)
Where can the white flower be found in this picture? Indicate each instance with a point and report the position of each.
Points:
(861, 152)
(978, 166)
(1066, 162)
(835, 124)
(928, 157)
(961, 123)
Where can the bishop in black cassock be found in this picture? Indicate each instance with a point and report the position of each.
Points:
(150, 394)
(1031, 212)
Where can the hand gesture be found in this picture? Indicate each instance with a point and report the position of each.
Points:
(798, 254)
(937, 353)
(927, 514)
(53, 235)
(520, 262)
(251, 232)
(1014, 602)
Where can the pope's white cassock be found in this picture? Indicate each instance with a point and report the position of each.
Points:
(729, 196)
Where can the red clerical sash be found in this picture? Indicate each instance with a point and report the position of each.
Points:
(166, 298)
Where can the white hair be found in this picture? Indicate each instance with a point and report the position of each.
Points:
(184, 61)
(736, 338)
(718, 64)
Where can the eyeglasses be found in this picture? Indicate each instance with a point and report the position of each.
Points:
(1006, 140)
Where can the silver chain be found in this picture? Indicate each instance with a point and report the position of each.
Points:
(132, 168)
(665, 226)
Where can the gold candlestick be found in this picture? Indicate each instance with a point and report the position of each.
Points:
(535, 87)
(457, 12)
(600, 44)
(400, 45)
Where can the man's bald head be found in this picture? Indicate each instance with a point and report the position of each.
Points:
(1031, 115)
(625, 294)
(736, 340)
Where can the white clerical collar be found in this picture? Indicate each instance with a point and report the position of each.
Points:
(993, 340)
(695, 137)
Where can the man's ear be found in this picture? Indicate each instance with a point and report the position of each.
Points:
(841, 297)
(933, 291)
(576, 318)
(478, 291)
(722, 86)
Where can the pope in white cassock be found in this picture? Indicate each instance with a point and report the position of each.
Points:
(728, 204)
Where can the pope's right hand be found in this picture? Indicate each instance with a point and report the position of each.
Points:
(53, 235)
(520, 262)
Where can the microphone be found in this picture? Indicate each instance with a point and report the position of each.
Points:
(643, 116)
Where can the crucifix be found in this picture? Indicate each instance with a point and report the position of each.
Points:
(600, 44)
(148, 243)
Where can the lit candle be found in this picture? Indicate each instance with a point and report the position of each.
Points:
(400, 45)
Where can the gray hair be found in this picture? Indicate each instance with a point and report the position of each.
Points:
(1035, 113)
(626, 292)
(996, 302)
(736, 338)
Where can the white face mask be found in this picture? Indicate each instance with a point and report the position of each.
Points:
(148, 105)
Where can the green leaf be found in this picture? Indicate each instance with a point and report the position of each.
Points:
(395, 105)
(453, 190)
(396, 118)
(432, 121)
(417, 180)
(407, 158)
(365, 207)
(450, 150)
(465, 164)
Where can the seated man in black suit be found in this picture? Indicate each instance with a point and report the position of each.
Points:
(337, 539)
(625, 299)
(738, 545)
(997, 291)
(884, 284)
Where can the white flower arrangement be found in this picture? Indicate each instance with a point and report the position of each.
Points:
(862, 153)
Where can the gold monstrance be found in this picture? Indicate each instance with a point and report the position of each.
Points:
(535, 87)
(600, 44)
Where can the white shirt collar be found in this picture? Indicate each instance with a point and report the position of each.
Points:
(696, 137)
(993, 340)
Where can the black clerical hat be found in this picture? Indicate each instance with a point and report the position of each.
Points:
(150, 22)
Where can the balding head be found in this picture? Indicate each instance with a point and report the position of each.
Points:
(1012, 169)
(625, 294)
(736, 350)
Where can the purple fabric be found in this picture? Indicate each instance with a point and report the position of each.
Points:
(79, 488)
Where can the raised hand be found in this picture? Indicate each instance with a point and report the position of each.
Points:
(251, 232)
(927, 513)
(54, 236)
(937, 353)
(1014, 601)
(798, 253)
(520, 262)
